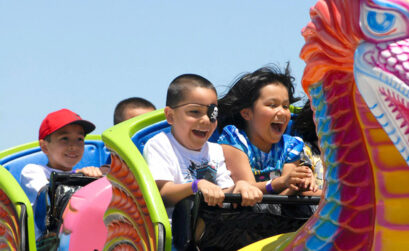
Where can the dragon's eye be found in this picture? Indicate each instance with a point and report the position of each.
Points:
(381, 24)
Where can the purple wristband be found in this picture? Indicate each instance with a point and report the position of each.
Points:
(269, 188)
(194, 186)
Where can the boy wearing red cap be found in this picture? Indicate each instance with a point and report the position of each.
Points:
(61, 138)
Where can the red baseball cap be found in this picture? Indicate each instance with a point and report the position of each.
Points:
(61, 118)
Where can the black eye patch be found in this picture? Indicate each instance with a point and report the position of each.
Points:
(212, 112)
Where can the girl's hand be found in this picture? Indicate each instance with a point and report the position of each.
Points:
(304, 185)
(296, 177)
(213, 194)
(313, 184)
(90, 171)
(250, 195)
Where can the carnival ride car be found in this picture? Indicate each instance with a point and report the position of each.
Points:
(17, 220)
(135, 202)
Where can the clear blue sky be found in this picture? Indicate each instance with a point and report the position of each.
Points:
(89, 55)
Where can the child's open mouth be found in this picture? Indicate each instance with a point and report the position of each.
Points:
(277, 127)
(201, 134)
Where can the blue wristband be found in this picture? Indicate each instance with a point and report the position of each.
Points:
(269, 188)
(194, 186)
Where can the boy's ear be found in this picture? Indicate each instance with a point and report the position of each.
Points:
(169, 114)
(43, 146)
(246, 113)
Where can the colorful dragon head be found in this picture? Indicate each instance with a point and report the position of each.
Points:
(357, 76)
(381, 68)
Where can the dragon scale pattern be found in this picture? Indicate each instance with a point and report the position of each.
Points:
(344, 221)
(392, 196)
(9, 230)
(127, 218)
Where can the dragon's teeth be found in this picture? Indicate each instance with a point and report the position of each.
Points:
(386, 53)
(396, 50)
(392, 61)
(403, 57)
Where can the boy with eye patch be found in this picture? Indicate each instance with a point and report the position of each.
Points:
(182, 161)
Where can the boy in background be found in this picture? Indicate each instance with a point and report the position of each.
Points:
(131, 107)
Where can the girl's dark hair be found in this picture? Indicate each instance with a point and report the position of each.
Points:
(246, 90)
(182, 85)
(303, 124)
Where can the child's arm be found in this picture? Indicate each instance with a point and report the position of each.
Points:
(173, 193)
(238, 164)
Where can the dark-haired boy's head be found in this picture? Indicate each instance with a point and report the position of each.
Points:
(131, 107)
(180, 87)
(191, 110)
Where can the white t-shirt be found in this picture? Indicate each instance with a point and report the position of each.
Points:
(169, 160)
(33, 177)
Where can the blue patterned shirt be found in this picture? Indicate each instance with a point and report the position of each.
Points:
(287, 150)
